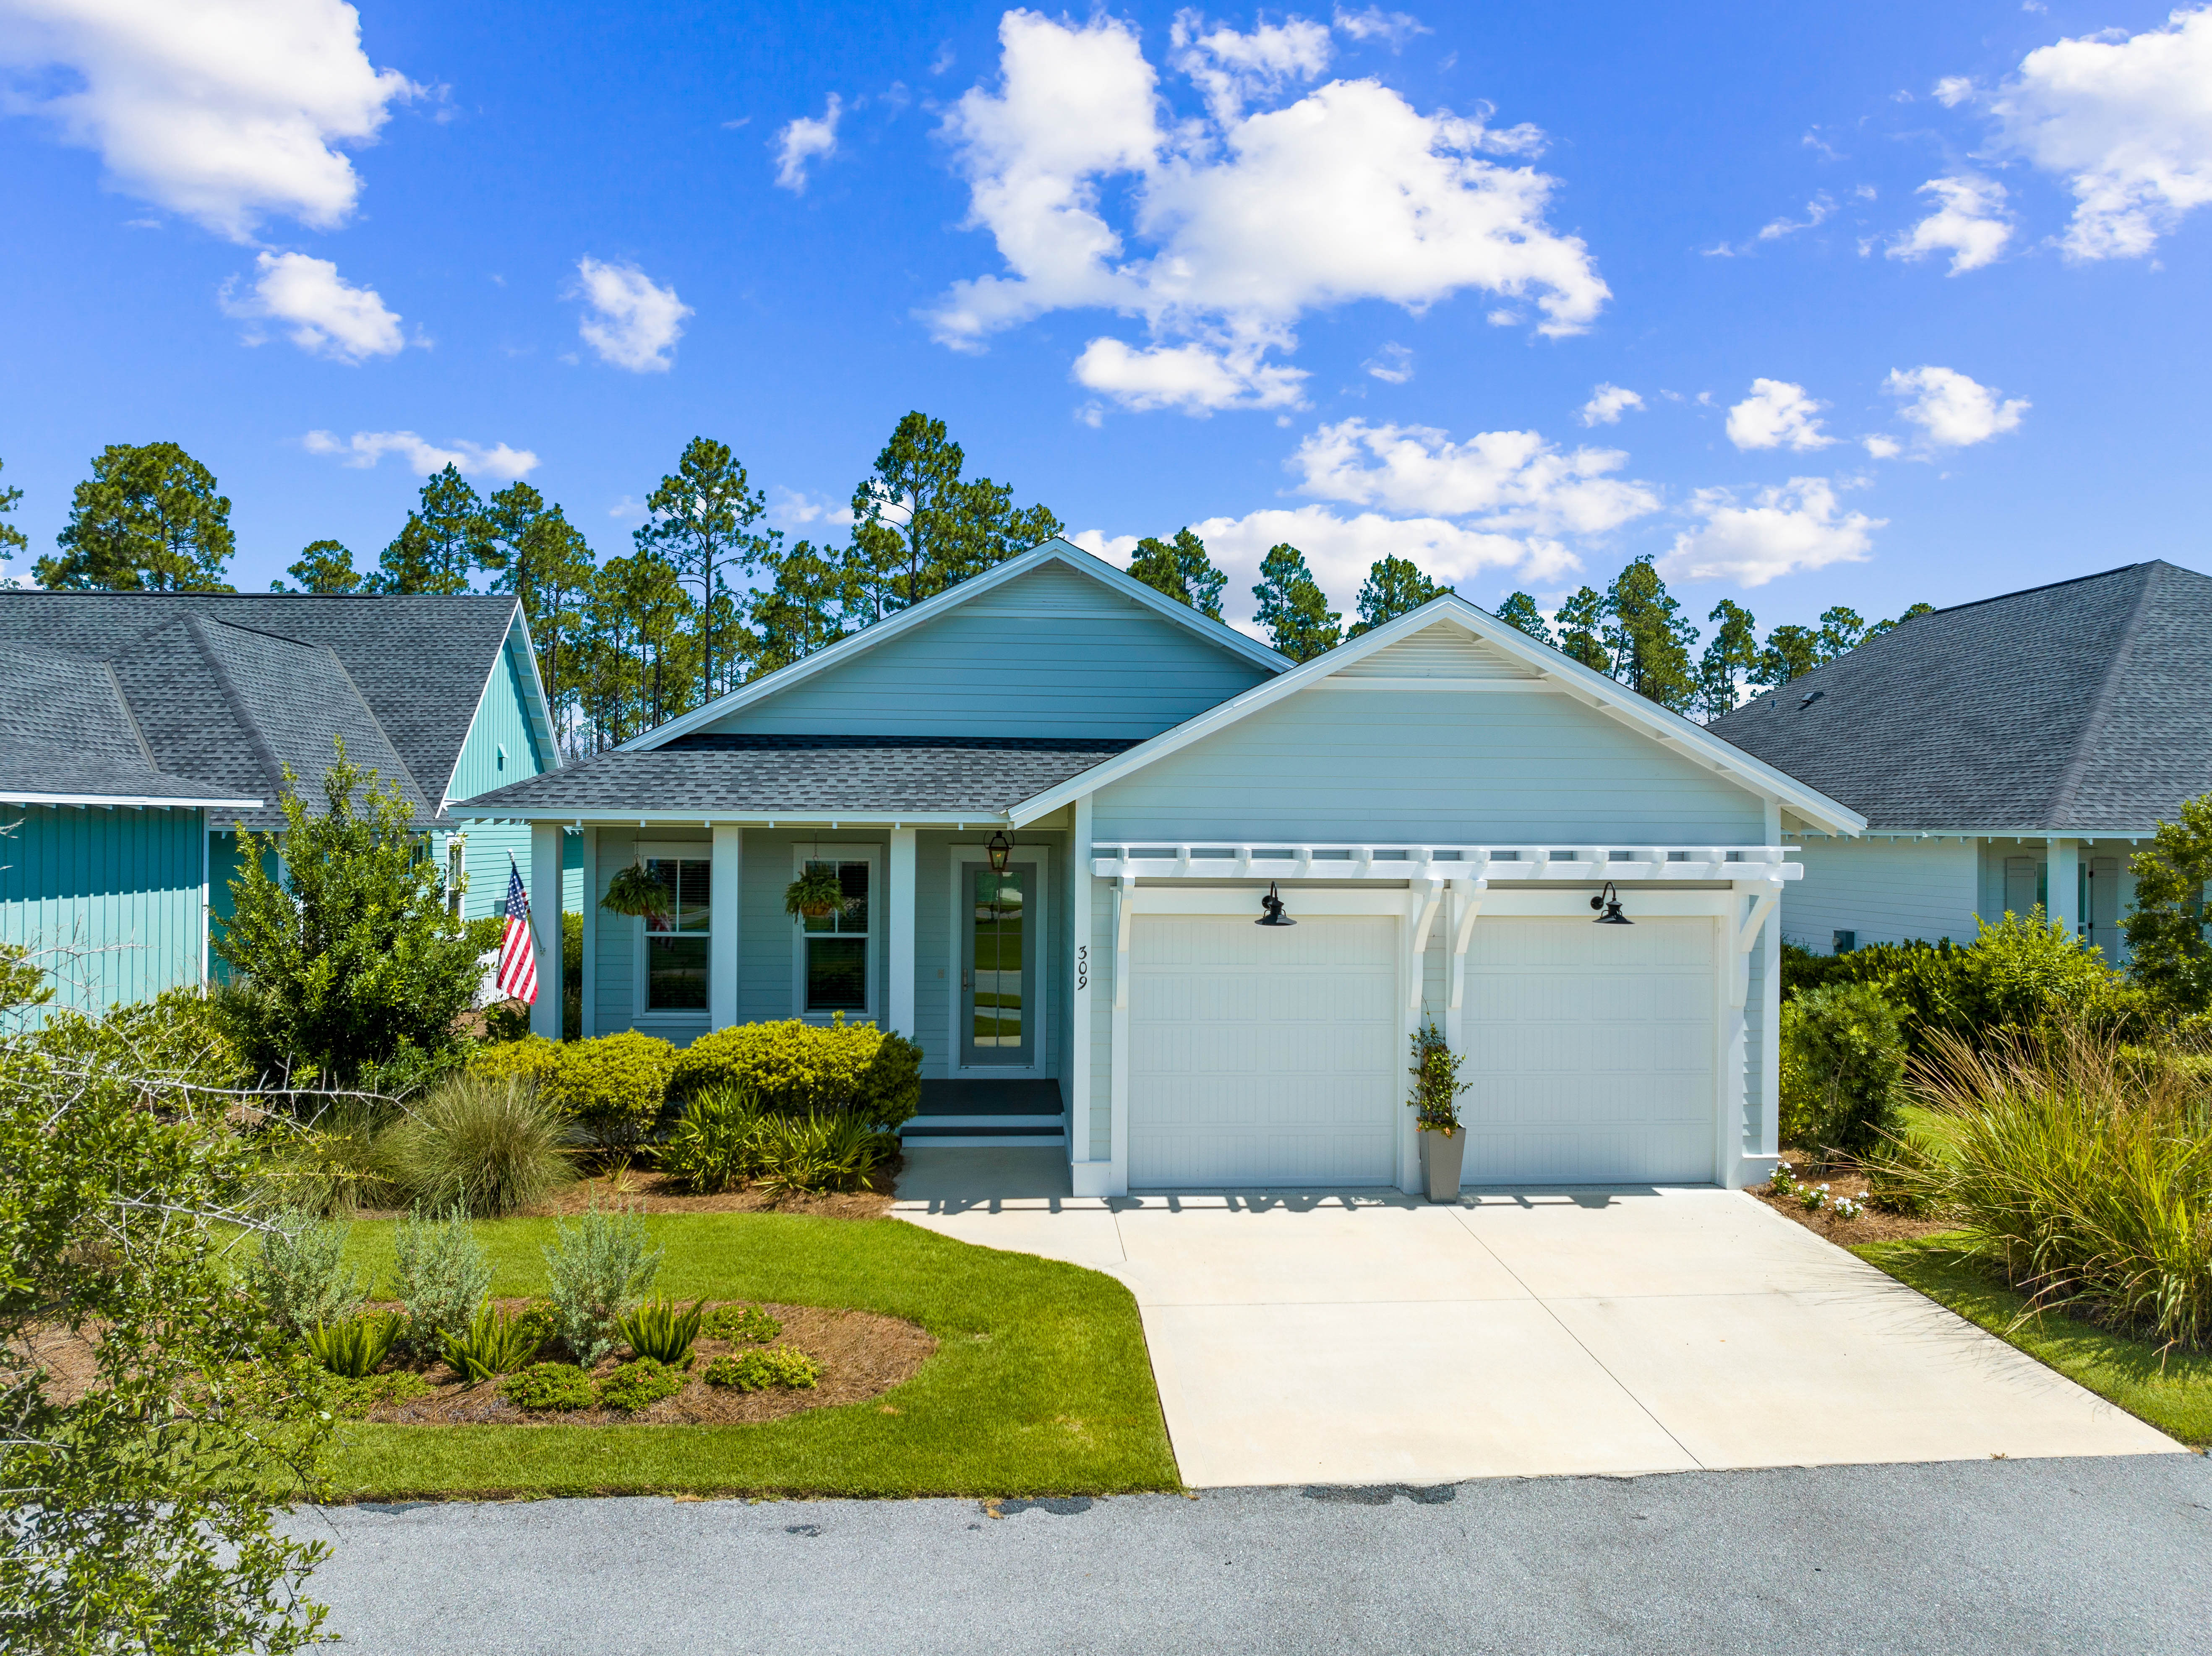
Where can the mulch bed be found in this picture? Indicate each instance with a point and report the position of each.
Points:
(861, 1354)
(1872, 1226)
(655, 1192)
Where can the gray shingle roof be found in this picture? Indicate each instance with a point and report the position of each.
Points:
(712, 772)
(2082, 708)
(222, 690)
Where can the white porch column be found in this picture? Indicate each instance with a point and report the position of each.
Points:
(899, 1003)
(724, 951)
(2064, 880)
(545, 926)
(587, 1023)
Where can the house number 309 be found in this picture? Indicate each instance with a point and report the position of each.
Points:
(1082, 965)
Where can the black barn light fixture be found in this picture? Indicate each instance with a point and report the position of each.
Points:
(1272, 902)
(1609, 900)
(999, 851)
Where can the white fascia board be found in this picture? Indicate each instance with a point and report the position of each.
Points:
(1052, 551)
(135, 802)
(797, 817)
(2149, 831)
(1609, 696)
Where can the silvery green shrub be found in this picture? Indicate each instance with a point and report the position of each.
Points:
(440, 1275)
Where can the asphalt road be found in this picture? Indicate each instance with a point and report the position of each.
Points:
(2013, 1556)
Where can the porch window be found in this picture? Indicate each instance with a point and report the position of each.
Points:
(676, 940)
(835, 947)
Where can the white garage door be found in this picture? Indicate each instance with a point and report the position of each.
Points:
(1590, 1052)
(1262, 1056)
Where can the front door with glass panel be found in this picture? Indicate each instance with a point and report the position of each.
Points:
(998, 966)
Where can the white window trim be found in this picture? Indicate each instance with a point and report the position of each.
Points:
(870, 852)
(651, 1018)
(1044, 1064)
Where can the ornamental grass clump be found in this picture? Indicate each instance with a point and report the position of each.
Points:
(816, 1155)
(2081, 1172)
(354, 1347)
(496, 1343)
(711, 1149)
(440, 1275)
(298, 1274)
(662, 1330)
(596, 1271)
(485, 1145)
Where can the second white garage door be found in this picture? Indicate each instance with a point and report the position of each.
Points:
(1263, 1056)
(1590, 1052)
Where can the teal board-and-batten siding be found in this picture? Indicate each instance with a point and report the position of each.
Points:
(1051, 653)
(503, 746)
(111, 902)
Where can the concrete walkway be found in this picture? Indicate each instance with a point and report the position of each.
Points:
(1367, 1338)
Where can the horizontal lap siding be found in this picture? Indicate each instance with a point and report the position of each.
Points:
(1884, 890)
(1386, 766)
(767, 957)
(1053, 654)
(109, 900)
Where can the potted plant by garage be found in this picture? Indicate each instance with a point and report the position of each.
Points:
(816, 895)
(635, 892)
(1436, 1088)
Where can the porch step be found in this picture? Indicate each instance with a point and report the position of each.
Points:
(986, 1121)
(981, 1138)
(979, 1114)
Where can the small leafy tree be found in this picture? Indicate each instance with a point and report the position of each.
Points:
(349, 957)
(2169, 955)
(135, 1508)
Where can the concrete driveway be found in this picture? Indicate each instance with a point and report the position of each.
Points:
(1368, 1338)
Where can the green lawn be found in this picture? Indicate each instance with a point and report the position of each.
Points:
(1040, 1383)
(2174, 1395)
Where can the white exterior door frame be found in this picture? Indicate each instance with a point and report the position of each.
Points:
(1044, 1062)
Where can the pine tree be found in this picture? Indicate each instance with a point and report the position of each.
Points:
(1520, 612)
(1648, 637)
(1394, 587)
(801, 610)
(1294, 608)
(1882, 627)
(544, 560)
(919, 527)
(148, 519)
(323, 566)
(1842, 630)
(1791, 652)
(1181, 569)
(1581, 622)
(1732, 651)
(699, 522)
(12, 539)
(443, 544)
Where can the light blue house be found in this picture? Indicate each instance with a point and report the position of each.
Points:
(1054, 801)
(144, 729)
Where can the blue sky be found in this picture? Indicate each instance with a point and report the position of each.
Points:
(1912, 300)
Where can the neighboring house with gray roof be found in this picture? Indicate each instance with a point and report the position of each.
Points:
(144, 729)
(1051, 802)
(2005, 754)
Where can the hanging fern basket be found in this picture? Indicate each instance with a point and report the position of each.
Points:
(817, 894)
(634, 891)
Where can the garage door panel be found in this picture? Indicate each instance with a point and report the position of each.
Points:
(1590, 1052)
(1262, 1056)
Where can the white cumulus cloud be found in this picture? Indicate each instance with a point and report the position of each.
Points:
(1192, 377)
(1785, 529)
(1393, 365)
(1509, 482)
(225, 110)
(1239, 222)
(1970, 223)
(630, 320)
(320, 311)
(1950, 409)
(1776, 414)
(803, 140)
(1608, 403)
(364, 449)
(2126, 120)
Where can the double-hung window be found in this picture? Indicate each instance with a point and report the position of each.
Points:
(837, 949)
(677, 939)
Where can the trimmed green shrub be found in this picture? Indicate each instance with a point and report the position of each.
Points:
(740, 1322)
(756, 1371)
(711, 1149)
(496, 1342)
(552, 1386)
(797, 1068)
(487, 1145)
(662, 1330)
(353, 1348)
(440, 1274)
(598, 1269)
(818, 1154)
(300, 1274)
(639, 1384)
(612, 1085)
(1843, 1063)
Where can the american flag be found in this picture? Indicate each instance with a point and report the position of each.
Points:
(518, 954)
